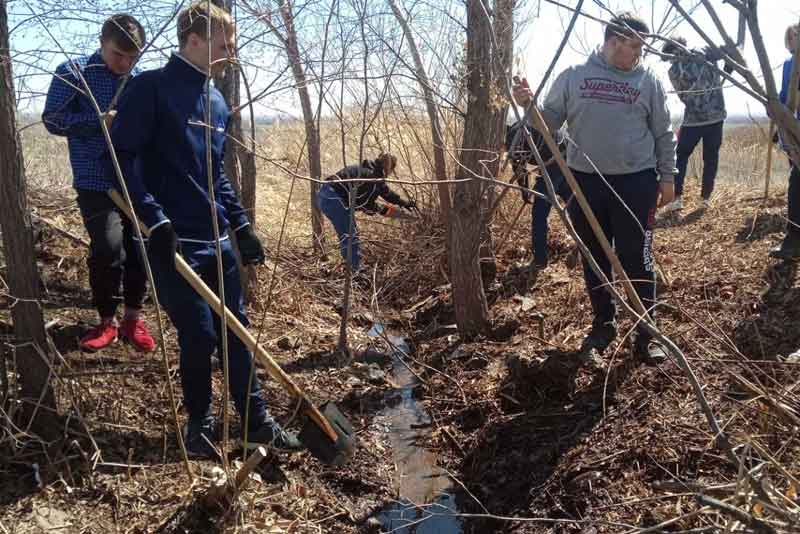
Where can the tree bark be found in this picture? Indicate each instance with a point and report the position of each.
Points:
(36, 392)
(312, 135)
(240, 161)
(481, 136)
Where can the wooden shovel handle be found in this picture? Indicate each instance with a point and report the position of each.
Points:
(239, 330)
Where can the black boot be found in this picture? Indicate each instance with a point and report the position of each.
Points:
(789, 249)
(599, 337)
(648, 351)
(596, 342)
(199, 435)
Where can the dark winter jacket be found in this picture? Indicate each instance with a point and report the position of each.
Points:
(367, 192)
(160, 140)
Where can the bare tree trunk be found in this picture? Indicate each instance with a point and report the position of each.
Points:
(503, 29)
(36, 392)
(480, 138)
(312, 135)
(240, 162)
(440, 168)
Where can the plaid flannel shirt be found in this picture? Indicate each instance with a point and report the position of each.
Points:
(69, 112)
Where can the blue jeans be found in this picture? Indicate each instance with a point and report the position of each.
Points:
(689, 136)
(634, 248)
(199, 329)
(338, 213)
(541, 211)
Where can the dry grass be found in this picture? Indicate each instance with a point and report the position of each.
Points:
(649, 432)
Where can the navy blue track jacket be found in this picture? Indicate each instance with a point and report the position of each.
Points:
(160, 139)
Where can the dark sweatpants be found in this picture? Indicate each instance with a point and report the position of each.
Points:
(793, 201)
(199, 329)
(113, 254)
(639, 191)
(689, 136)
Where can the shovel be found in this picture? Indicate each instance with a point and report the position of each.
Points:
(327, 434)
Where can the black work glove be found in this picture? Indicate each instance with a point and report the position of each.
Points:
(163, 244)
(250, 247)
(409, 205)
(728, 68)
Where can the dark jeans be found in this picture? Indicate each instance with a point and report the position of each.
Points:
(338, 213)
(541, 211)
(711, 135)
(793, 201)
(113, 255)
(634, 249)
(199, 329)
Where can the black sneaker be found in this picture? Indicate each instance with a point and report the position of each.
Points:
(573, 258)
(649, 352)
(788, 250)
(270, 434)
(599, 338)
(595, 343)
(533, 273)
(199, 435)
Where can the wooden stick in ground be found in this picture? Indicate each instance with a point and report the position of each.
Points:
(241, 332)
(243, 475)
(769, 159)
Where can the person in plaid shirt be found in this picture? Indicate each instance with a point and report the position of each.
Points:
(69, 112)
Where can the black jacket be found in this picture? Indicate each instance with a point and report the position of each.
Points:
(366, 192)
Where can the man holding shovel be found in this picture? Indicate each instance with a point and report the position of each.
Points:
(616, 113)
(69, 111)
(160, 139)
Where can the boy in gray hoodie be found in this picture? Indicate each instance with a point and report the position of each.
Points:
(623, 157)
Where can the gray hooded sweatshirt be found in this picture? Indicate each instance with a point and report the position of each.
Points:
(619, 119)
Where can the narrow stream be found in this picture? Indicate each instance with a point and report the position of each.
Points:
(427, 502)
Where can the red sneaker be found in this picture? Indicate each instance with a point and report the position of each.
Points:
(136, 333)
(99, 337)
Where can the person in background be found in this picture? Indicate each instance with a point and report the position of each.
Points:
(617, 115)
(333, 200)
(520, 156)
(699, 86)
(160, 139)
(69, 112)
(789, 249)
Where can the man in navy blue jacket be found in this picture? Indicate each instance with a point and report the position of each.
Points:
(160, 139)
(69, 112)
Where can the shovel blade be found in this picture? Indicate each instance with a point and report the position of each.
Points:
(320, 445)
